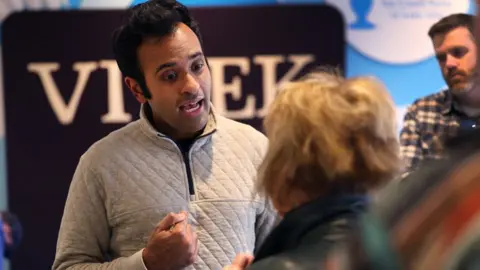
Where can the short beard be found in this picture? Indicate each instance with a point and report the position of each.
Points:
(468, 95)
(463, 88)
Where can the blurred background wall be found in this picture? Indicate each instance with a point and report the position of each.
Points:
(395, 48)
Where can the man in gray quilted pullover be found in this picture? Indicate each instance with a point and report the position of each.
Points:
(174, 189)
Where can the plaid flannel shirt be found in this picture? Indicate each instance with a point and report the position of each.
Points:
(429, 121)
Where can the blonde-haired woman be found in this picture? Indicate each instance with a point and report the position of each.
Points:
(331, 142)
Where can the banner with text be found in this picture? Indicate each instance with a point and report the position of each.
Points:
(64, 91)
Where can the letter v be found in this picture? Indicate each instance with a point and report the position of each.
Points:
(64, 111)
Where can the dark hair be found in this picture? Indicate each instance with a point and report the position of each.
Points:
(17, 232)
(153, 18)
(447, 24)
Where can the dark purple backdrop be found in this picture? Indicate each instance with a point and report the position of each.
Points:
(42, 153)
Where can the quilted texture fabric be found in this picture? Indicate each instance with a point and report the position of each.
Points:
(128, 181)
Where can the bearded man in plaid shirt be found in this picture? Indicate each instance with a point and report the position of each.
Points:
(431, 219)
(431, 120)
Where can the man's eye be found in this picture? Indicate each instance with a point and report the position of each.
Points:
(197, 67)
(441, 57)
(170, 76)
(459, 52)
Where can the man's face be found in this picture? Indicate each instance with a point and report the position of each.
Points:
(179, 81)
(457, 55)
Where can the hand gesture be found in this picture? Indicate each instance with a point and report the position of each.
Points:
(242, 261)
(172, 245)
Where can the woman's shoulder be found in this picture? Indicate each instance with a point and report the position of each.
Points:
(303, 257)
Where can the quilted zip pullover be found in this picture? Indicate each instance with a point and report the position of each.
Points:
(129, 180)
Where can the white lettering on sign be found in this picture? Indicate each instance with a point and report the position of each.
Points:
(65, 110)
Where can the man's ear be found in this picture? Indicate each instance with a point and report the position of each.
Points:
(135, 89)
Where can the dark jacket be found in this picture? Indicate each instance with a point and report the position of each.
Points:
(303, 237)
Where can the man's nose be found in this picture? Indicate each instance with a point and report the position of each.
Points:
(451, 62)
(190, 85)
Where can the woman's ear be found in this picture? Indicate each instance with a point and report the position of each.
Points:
(289, 199)
(283, 202)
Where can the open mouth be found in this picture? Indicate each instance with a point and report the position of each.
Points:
(192, 107)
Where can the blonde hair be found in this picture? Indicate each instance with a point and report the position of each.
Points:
(326, 131)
